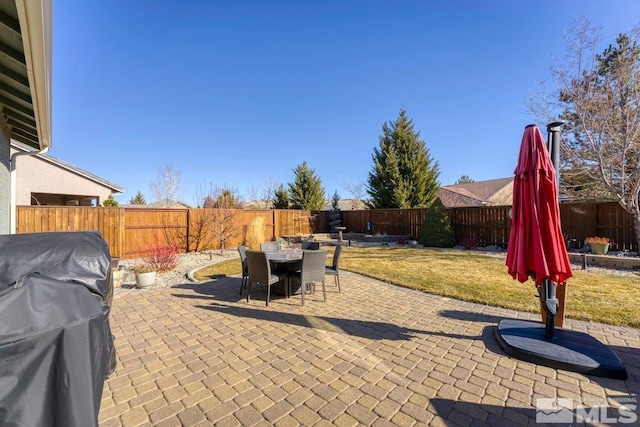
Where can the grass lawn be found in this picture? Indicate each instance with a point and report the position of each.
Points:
(469, 276)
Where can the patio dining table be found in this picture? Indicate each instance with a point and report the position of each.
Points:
(286, 260)
(285, 256)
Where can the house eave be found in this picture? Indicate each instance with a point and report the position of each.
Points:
(29, 120)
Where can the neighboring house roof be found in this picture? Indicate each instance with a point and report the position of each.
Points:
(493, 192)
(25, 70)
(345, 205)
(73, 169)
(162, 204)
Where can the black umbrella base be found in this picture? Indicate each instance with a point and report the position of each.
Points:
(570, 350)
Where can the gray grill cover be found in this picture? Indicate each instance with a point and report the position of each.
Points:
(56, 347)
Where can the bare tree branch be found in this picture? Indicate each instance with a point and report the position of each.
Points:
(597, 92)
(218, 219)
(357, 191)
(263, 193)
(167, 188)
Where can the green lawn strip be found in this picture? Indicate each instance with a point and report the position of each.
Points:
(229, 267)
(468, 276)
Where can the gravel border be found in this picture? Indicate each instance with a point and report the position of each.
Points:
(183, 273)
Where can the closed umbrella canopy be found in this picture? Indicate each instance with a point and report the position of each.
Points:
(536, 244)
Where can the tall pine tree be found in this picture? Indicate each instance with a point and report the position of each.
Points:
(404, 175)
(306, 192)
(280, 198)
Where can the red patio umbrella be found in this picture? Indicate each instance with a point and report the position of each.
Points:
(537, 249)
(536, 245)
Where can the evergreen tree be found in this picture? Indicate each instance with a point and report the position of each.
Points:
(465, 179)
(403, 175)
(306, 192)
(227, 199)
(281, 198)
(138, 199)
(335, 200)
(436, 230)
(110, 202)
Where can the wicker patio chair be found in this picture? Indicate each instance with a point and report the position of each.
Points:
(334, 269)
(270, 246)
(260, 272)
(311, 245)
(312, 271)
(242, 249)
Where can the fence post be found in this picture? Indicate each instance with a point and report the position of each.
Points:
(273, 221)
(188, 232)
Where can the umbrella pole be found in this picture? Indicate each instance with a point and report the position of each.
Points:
(550, 302)
(553, 145)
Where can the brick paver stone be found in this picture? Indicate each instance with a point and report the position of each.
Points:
(374, 354)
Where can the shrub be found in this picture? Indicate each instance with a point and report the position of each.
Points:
(255, 233)
(436, 230)
(161, 257)
(469, 243)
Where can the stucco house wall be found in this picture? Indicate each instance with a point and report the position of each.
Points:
(45, 180)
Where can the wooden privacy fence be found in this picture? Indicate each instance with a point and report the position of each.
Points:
(491, 225)
(131, 231)
(406, 222)
(580, 220)
(110, 222)
(481, 226)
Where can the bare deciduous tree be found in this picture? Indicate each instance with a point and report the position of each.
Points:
(167, 187)
(262, 194)
(598, 95)
(357, 191)
(218, 220)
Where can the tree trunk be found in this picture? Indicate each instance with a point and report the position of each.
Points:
(635, 214)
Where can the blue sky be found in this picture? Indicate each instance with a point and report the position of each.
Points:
(233, 92)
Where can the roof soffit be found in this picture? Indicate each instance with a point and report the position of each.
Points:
(25, 70)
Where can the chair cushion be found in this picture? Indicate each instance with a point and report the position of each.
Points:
(274, 278)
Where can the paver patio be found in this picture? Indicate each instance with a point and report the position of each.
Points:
(374, 354)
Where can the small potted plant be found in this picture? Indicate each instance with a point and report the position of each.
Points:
(598, 245)
(145, 275)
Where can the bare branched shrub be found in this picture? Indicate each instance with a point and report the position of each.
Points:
(218, 221)
(161, 257)
(201, 230)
